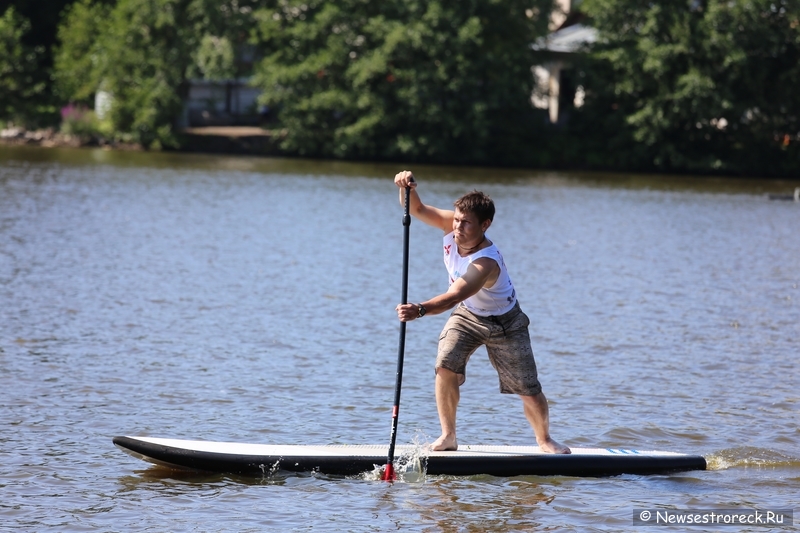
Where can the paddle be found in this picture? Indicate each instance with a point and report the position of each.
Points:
(389, 473)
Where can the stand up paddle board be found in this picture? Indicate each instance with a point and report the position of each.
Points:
(503, 461)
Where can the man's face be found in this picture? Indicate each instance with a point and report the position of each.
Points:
(467, 229)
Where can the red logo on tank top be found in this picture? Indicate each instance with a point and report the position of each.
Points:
(447, 249)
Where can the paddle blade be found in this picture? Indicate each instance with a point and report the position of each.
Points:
(388, 473)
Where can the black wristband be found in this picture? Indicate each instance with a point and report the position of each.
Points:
(421, 310)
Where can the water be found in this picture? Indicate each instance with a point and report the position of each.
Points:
(253, 300)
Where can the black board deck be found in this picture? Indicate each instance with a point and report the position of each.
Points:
(344, 460)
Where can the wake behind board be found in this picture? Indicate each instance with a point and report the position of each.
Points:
(502, 461)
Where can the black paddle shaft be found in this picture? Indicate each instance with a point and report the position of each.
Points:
(389, 473)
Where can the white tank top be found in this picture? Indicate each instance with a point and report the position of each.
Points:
(493, 301)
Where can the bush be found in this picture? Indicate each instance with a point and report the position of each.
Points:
(82, 123)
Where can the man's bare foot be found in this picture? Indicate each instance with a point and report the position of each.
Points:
(551, 446)
(445, 443)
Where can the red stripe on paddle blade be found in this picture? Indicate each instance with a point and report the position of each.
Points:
(389, 473)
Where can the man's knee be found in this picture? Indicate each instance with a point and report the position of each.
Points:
(448, 376)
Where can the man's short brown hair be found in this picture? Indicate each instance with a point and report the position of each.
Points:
(477, 203)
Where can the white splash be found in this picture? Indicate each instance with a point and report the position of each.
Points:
(410, 464)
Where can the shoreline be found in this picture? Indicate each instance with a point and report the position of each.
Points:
(237, 140)
(50, 138)
(256, 141)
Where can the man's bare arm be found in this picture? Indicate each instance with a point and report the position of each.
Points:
(432, 216)
(477, 275)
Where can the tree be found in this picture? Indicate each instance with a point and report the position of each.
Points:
(20, 84)
(40, 20)
(142, 53)
(146, 48)
(78, 54)
(700, 85)
(435, 80)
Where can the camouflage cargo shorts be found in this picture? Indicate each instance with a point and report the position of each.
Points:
(507, 342)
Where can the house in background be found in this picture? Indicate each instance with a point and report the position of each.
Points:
(556, 88)
(209, 103)
(216, 101)
(221, 94)
(221, 103)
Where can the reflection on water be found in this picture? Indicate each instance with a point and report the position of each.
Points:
(27, 156)
(252, 299)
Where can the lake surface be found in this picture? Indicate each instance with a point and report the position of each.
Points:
(249, 299)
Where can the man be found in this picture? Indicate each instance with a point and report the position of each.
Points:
(487, 314)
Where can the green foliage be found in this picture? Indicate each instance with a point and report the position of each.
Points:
(82, 122)
(76, 59)
(142, 52)
(683, 85)
(697, 85)
(39, 19)
(226, 28)
(413, 79)
(215, 58)
(146, 49)
(20, 85)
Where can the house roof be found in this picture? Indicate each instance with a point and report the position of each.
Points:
(567, 40)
